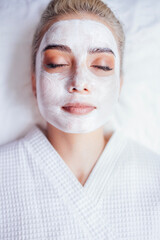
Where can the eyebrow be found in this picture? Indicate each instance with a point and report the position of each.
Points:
(65, 48)
(100, 50)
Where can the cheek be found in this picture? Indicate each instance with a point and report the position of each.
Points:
(51, 88)
(107, 91)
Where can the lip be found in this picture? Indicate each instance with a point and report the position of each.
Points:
(78, 108)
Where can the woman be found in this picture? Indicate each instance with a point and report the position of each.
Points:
(72, 181)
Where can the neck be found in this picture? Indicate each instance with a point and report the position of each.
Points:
(79, 151)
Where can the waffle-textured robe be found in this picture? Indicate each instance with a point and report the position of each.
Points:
(41, 199)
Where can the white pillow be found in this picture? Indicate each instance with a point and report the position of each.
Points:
(138, 111)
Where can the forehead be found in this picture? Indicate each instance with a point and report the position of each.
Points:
(81, 33)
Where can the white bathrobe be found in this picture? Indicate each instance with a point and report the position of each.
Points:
(41, 199)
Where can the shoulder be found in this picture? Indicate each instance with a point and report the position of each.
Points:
(19, 149)
(16, 156)
(11, 154)
(136, 152)
(142, 153)
(141, 163)
(10, 150)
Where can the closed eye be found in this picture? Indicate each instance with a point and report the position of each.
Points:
(104, 68)
(52, 65)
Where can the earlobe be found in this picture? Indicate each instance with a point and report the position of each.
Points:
(34, 84)
(121, 83)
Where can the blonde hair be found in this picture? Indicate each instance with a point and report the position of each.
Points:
(58, 8)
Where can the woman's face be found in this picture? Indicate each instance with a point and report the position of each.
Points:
(77, 62)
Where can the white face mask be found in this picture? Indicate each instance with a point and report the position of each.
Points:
(81, 79)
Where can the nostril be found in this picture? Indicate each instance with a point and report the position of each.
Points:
(73, 89)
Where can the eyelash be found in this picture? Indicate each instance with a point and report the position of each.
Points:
(104, 68)
(51, 65)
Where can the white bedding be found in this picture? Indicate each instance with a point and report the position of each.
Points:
(138, 111)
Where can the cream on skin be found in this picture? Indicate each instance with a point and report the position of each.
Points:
(81, 74)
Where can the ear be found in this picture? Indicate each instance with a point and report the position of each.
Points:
(121, 83)
(34, 84)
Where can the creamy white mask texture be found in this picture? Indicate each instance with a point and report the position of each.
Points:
(82, 82)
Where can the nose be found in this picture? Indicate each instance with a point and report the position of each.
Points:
(79, 83)
(78, 87)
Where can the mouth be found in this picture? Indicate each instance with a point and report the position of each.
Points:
(78, 108)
